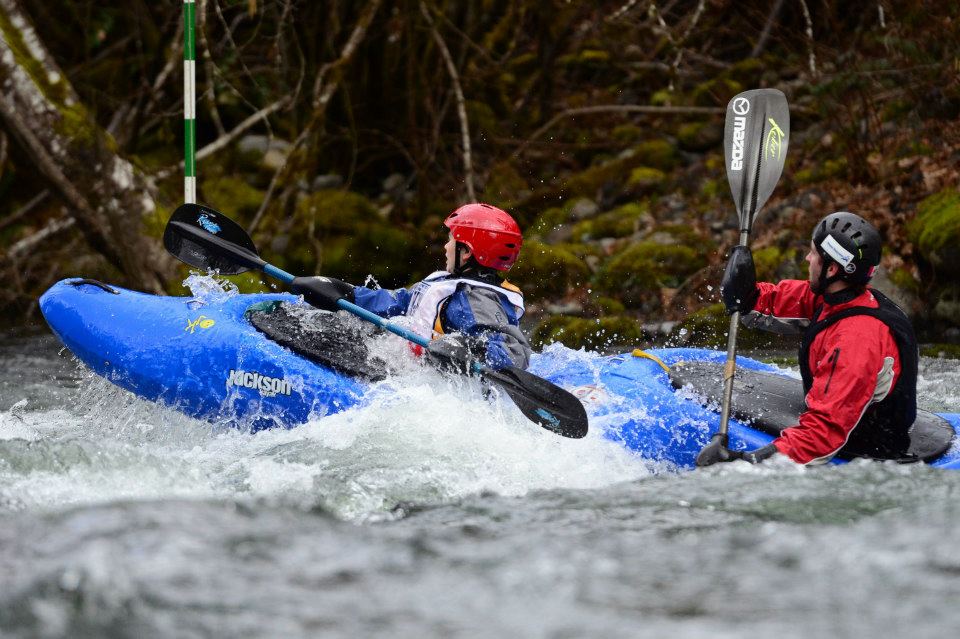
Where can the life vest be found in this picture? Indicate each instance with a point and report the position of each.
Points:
(428, 297)
(883, 431)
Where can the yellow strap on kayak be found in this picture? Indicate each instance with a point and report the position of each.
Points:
(639, 353)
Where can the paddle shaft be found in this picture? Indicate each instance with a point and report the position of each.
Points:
(730, 367)
(359, 311)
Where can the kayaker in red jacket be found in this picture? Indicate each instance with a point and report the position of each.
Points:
(858, 357)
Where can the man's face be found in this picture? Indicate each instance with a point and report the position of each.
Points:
(451, 251)
(815, 263)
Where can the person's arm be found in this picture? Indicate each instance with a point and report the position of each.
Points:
(785, 308)
(858, 367)
(382, 302)
(490, 325)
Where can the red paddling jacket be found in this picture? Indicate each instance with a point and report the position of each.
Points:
(858, 360)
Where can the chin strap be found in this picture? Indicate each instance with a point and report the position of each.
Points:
(823, 282)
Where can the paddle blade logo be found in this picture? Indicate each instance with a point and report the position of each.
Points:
(774, 142)
(207, 224)
(740, 108)
(547, 416)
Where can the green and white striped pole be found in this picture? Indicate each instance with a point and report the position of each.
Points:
(189, 103)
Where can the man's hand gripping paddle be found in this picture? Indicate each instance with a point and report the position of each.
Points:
(209, 240)
(755, 148)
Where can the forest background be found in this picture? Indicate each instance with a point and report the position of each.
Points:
(340, 133)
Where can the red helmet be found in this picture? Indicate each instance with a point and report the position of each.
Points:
(490, 233)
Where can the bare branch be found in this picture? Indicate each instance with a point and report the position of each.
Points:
(810, 42)
(24, 210)
(52, 228)
(615, 108)
(227, 138)
(323, 91)
(461, 104)
(767, 27)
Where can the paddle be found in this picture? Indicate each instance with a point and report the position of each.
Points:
(755, 147)
(207, 239)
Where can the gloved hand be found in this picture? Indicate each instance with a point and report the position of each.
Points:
(739, 286)
(716, 452)
(322, 292)
(451, 353)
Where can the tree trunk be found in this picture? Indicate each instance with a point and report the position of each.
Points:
(106, 195)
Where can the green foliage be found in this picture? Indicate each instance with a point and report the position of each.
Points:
(593, 334)
(545, 271)
(936, 230)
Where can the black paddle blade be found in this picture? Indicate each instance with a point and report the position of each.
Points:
(541, 401)
(755, 147)
(209, 240)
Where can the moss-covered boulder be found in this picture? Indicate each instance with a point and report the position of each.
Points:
(544, 271)
(341, 234)
(636, 274)
(620, 222)
(700, 136)
(599, 334)
(231, 194)
(936, 232)
(709, 326)
(646, 180)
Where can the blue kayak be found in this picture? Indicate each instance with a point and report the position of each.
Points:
(209, 361)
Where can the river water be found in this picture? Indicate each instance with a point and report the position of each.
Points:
(424, 514)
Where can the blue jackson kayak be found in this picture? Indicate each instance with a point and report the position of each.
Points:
(213, 360)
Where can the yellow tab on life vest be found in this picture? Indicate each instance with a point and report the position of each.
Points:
(639, 353)
(510, 287)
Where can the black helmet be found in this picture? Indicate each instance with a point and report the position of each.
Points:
(848, 240)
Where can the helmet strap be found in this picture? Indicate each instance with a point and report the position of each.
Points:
(824, 281)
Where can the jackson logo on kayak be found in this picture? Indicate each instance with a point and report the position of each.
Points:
(203, 322)
(267, 386)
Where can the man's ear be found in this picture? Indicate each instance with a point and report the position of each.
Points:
(833, 269)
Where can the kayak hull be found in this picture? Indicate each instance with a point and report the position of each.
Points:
(207, 361)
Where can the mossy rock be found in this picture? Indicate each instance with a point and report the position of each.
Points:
(341, 234)
(700, 136)
(947, 306)
(593, 334)
(627, 133)
(903, 278)
(504, 183)
(717, 91)
(620, 222)
(645, 179)
(657, 154)
(232, 194)
(544, 271)
(636, 274)
(831, 168)
(936, 232)
(942, 351)
(708, 327)
(774, 263)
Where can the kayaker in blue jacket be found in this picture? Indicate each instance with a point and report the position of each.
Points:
(467, 311)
